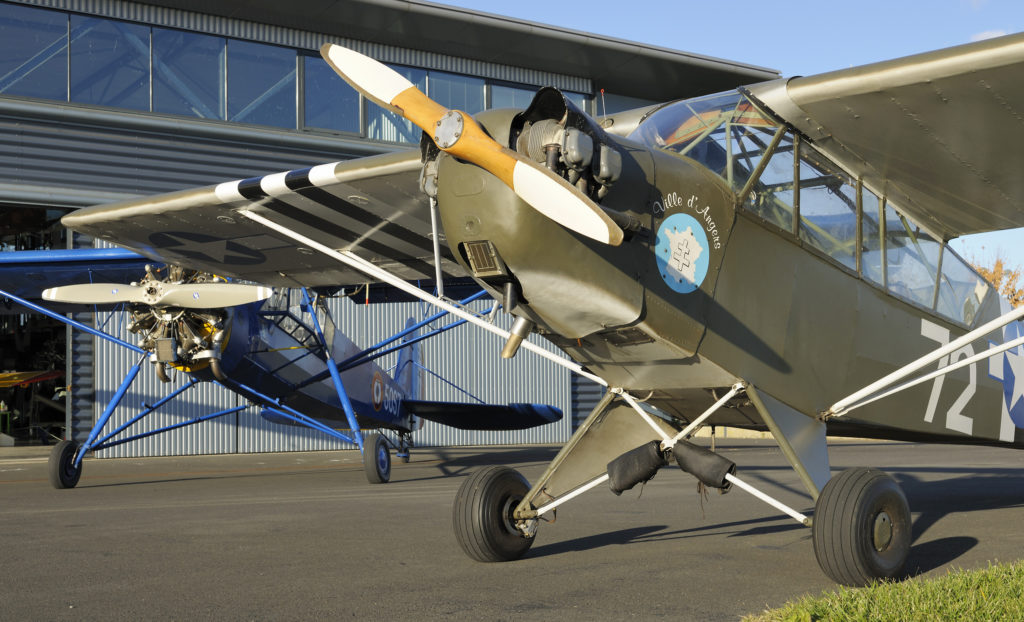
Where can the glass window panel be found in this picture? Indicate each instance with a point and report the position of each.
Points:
(828, 207)
(188, 73)
(386, 125)
(911, 258)
(511, 97)
(961, 290)
(330, 103)
(33, 52)
(456, 92)
(261, 84)
(871, 251)
(772, 197)
(109, 63)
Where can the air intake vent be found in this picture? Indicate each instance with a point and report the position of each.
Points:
(484, 260)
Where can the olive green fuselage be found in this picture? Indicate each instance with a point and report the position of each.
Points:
(768, 310)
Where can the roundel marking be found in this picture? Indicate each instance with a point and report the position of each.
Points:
(682, 251)
(377, 391)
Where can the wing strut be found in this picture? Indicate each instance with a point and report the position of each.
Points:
(354, 261)
(881, 388)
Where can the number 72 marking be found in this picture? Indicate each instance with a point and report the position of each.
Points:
(955, 419)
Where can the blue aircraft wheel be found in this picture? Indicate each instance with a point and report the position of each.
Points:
(482, 516)
(63, 473)
(376, 459)
(861, 527)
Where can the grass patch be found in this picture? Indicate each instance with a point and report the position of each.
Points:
(995, 593)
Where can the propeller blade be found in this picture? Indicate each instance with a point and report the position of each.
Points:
(460, 135)
(188, 295)
(94, 293)
(212, 295)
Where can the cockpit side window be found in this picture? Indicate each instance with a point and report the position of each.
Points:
(828, 207)
(912, 259)
(961, 289)
(774, 196)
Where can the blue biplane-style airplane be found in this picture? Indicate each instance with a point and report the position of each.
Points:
(277, 348)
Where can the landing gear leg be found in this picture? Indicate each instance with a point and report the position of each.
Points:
(483, 515)
(63, 471)
(404, 445)
(376, 458)
(861, 527)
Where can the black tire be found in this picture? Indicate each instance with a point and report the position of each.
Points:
(482, 515)
(376, 459)
(861, 527)
(63, 473)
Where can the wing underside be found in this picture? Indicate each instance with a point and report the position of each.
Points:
(485, 416)
(372, 206)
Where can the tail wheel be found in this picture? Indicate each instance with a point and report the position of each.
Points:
(861, 527)
(482, 516)
(63, 472)
(376, 459)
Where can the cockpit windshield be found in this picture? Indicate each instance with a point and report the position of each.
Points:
(724, 132)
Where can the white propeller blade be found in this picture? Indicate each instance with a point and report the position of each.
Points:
(189, 295)
(213, 295)
(458, 134)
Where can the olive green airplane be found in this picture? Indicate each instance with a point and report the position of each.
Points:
(771, 258)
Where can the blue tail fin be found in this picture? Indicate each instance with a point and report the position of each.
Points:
(409, 371)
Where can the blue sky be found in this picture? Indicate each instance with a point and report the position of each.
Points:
(797, 37)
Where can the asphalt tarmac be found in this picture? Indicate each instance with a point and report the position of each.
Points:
(304, 536)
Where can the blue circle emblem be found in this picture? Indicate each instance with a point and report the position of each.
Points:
(682, 251)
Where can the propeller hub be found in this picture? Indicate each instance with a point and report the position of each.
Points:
(448, 129)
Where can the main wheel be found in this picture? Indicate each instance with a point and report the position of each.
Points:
(482, 515)
(861, 527)
(376, 459)
(63, 473)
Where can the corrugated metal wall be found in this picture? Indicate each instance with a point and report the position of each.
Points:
(466, 357)
(56, 154)
(585, 396)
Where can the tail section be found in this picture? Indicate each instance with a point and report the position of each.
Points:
(409, 371)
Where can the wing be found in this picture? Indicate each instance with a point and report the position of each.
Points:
(940, 134)
(371, 206)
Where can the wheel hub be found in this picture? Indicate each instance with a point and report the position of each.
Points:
(508, 514)
(881, 535)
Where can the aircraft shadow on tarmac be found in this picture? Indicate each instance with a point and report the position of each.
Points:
(974, 490)
(457, 463)
(596, 541)
(930, 501)
(923, 557)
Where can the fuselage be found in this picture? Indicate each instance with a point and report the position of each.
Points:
(272, 352)
(785, 273)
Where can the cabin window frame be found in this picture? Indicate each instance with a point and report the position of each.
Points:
(799, 141)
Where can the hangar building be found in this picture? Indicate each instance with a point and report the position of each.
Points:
(106, 100)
